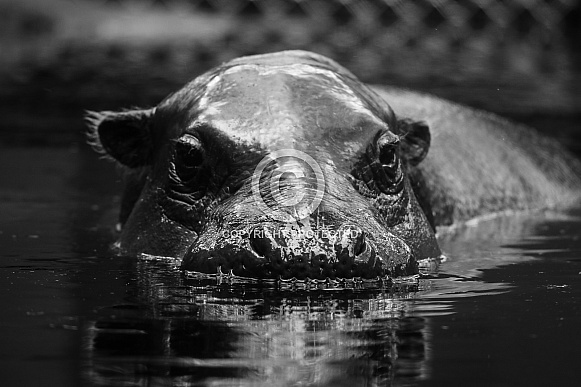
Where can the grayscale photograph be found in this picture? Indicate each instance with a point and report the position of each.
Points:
(290, 193)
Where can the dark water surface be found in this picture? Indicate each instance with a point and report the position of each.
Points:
(503, 310)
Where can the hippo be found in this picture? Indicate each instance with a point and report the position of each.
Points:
(285, 165)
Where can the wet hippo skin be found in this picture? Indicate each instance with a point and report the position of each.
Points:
(285, 165)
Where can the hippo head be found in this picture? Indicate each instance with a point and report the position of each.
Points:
(273, 166)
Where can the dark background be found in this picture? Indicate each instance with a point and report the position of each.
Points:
(519, 58)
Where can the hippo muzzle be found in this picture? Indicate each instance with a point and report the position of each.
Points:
(255, 235)
(299, 252)
(280, 165)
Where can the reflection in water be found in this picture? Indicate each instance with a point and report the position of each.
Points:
(191, 332)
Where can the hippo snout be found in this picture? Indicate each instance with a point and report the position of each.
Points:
(265, 251)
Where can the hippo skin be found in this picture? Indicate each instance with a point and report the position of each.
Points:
(392, 167)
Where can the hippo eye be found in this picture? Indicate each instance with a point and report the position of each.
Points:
(388, 149)
(189, 156)
(388, 152)
(380, 168)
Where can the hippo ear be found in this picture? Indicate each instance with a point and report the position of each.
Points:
(415, 140)
(125, 136)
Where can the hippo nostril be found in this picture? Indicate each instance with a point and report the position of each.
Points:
(262, 241)
(360, 245)
(259, 245)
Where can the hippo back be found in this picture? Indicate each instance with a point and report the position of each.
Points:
(480, 163)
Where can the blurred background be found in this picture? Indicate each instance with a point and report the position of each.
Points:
(520, 58)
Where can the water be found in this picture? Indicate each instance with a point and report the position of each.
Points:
(502, 310)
